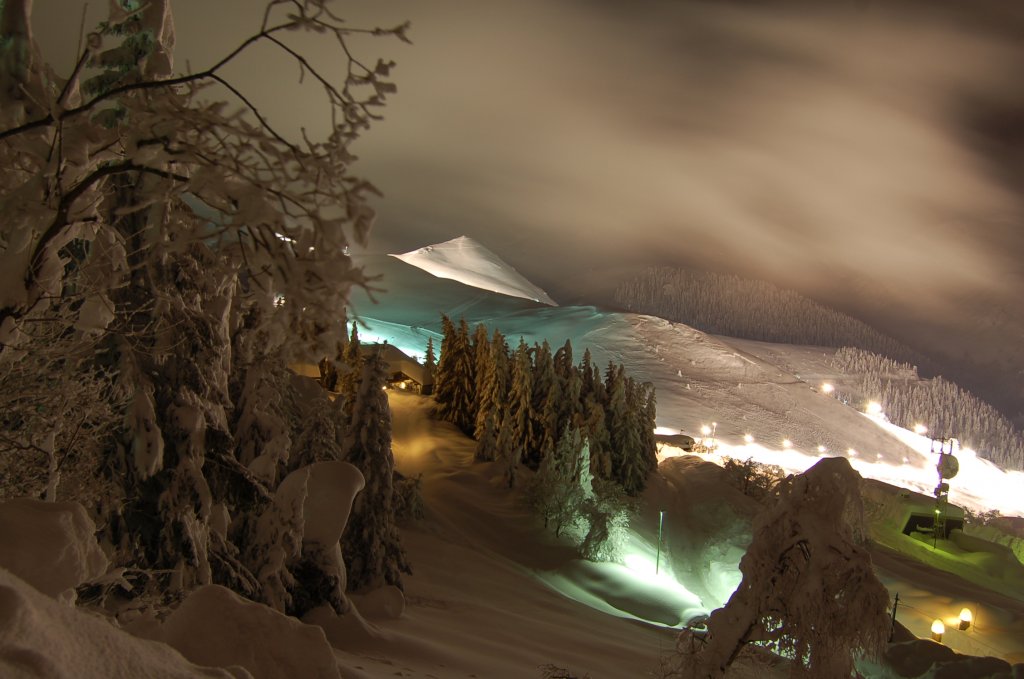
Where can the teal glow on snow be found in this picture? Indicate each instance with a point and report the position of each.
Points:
(630, 589)
(410, 341)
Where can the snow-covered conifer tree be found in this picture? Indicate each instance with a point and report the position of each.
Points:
(544, 401)
(350, 374)
(455, 391)
(370, 544)
(808, 588)
(491, 399)
(563, 482)
(157, 228)
(516, 418)
(429, 368)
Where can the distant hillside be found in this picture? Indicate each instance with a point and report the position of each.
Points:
(725, 304)
(944, 407)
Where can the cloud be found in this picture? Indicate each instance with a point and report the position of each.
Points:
(867, 153)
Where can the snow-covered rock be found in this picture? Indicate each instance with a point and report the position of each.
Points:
(40, 637)
(50, 545)
(463, 259)
(216, 627)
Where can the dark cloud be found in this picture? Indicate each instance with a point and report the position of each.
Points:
(868, 153)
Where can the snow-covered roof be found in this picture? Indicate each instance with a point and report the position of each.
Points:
(399, 361)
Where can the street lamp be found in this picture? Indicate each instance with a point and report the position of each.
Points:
(827, 388)
(937, 630)
(920, 429)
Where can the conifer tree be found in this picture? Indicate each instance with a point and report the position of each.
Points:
(445, 363)
(516, 420)
(563, 361)
(596, 430)
(543, 402)
(370, 544)
(481, 348)
(456, 382)
(429, 368)
(563, 482)
(632, 460)
(350, 375)
(492, 397)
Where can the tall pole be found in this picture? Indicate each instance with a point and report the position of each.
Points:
(892, 627)
(661, 523)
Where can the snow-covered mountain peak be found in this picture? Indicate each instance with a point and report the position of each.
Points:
(464, 260)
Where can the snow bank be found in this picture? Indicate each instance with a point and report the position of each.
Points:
(463, 259)
(50, 545)
(40, 637)
(214, 626)
(926, 658)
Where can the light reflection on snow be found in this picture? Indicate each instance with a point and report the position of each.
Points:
(980, 485)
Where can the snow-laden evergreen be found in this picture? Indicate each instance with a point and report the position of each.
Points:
(181, 252)
(808, 590)
(373, 552)
(942, 406)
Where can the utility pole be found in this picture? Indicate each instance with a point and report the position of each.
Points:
(661, 523)
(892, 627)
(947, 467)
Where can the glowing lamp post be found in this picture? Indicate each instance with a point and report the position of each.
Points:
(937, 630)
(965, 619)
(920, 429)
(827, 388)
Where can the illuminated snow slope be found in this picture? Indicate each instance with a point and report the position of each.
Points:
(463, 259)
(766, 391)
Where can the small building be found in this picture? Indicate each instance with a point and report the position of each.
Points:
(681, 441)
(404, 372)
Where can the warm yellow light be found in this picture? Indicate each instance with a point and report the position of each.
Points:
(851, 452)
(965, 618)
(937, 630)
(874, 408)
(786, 443)
(705, 429)
(827, 388)
(920, 429)
(822, 449)
(401, 385)
(747, 438)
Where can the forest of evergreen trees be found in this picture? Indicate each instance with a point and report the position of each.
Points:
(589, 437)
(945, 408)
(725, 304)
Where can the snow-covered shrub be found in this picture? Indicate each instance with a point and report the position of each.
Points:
(752, 478)
(607, 520)
(408, 498)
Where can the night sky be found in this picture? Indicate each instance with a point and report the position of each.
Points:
(869, 154)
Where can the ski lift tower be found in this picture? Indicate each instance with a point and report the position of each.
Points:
(947, 467)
